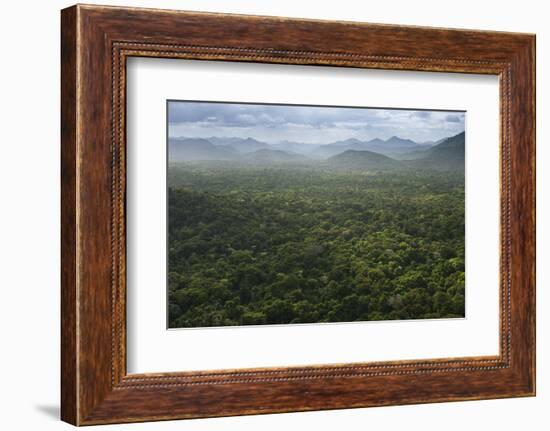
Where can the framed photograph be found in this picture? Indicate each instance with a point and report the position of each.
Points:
(263, 214)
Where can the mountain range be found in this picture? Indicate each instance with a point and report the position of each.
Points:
(363, 160)
(392, 153)
(389, 147)
(447, 155)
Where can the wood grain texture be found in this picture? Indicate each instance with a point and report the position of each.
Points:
(69, 366)
(96, 41)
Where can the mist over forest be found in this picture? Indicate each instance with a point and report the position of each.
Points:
(394, 153)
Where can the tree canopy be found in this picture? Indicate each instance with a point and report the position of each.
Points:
(251, 245)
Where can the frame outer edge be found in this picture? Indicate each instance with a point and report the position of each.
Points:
(523, 178)
(532, 80)
(88, 397)
(533, 53)
(69, 202)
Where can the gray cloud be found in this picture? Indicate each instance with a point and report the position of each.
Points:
(454, 119)
(273, 123)
(421, 114)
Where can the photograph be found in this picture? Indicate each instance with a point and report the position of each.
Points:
(300, 214)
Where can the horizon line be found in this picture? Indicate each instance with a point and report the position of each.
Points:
(312, 143)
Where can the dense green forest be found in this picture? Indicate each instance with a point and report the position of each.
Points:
(273, 244)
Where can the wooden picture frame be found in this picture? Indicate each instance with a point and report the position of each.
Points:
(95, 43)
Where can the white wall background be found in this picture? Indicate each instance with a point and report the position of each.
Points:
(29, 215)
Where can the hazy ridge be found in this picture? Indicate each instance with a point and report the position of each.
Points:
(375, 154)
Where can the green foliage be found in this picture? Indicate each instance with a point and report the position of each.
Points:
(272, 245)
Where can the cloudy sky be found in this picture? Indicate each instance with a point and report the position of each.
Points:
(316, 125)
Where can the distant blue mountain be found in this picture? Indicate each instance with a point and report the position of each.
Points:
(363, 160)
(389, 147)
(192, 149)
(447, 155)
